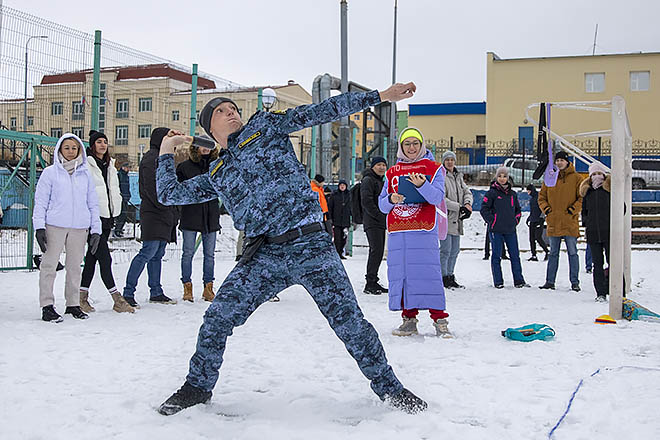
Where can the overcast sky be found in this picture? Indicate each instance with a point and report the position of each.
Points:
(442, 44)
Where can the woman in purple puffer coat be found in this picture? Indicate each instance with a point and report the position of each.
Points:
(413, 260)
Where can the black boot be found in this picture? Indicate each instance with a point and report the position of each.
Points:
(381, 288)
(186, 397)
(407, 402)
(453, 283)
(372, 289)
(445, 282)
(76, 312)
(49, 314)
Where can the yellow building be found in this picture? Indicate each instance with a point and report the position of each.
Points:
(133, 101)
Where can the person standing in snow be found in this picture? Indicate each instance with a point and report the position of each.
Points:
(102, 171)
(339, 209)
(374, 222)
(66, 216)
(459, 206)
(535, 223)
(501, 210)
(267, 192)
(413, 263)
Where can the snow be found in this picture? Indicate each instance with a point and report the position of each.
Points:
(286, 376)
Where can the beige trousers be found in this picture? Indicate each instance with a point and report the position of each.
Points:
(73, 241)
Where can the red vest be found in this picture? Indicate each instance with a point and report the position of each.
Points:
(410, 217)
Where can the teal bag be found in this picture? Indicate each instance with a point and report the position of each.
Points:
(530, 332)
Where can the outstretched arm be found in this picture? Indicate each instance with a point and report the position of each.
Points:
(170, 191)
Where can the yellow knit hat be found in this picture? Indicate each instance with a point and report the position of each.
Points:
(411, 132)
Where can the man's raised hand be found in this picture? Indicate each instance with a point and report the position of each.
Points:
(397, 92)
(173, 140)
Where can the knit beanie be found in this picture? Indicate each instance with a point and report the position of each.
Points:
(319, 178)
(562, 155)
(410, 132)
(376, 160)
(597, 167)
(207, 113)
(502, 170)
(157, 136)
(448, 154)
(96, 135)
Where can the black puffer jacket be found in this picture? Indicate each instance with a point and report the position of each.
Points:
(534, 210)
(372, 185)
(596, 210)
(201, 217)
(500, 208)
(339, 207)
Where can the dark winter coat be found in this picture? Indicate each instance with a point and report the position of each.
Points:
(157, 221)
(372, 185)
(596, 210)
(201, 217)
(124, 184)
(339, 207)
(534, 210)
(500, 208)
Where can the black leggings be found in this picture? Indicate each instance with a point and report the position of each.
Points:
(536, 236)
(102, 255)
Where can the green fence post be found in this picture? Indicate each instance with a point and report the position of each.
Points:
(349, 243)
(96, 87)
(193, 101)
(312, 166)
(260, 99)
(33, 182)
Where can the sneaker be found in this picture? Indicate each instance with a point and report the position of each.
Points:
(342, 257)
(499, 286)
(442, 329)
(588, 270)
(408, 328)
(521, 284)
(185, 397)
(162, 299)
(381, 288)
(372, 290)
(486, 257)
(76, 312)
(131, 302)
(575, 288)
(548, 285)
(49, 314)
(454, 284)
(407, 402)
(601, 299)
(533, 258)
(505, 257)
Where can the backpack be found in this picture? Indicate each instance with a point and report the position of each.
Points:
(356, 204)
(529, 332)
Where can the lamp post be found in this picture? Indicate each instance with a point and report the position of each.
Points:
(268, 97)
(26, 78)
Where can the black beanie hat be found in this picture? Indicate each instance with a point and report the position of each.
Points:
(95, 135)
(562, 155)
(376, 160)
(157, 136)
(531, 187)
(207, 112)
(319, 178)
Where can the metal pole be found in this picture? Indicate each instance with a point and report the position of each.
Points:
(193, 101)
(344, 129)
(96, 87)
(522, 184)
(392, 104)
(260, 99)
(33, 182)
(349, 242)
(600, 140)
(312, 168)
(451, 143)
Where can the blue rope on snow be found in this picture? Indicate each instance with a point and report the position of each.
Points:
(570, 402)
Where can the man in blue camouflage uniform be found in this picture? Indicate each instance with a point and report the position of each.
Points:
(268, 194)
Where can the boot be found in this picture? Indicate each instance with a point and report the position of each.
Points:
(121, 305)
(548, 285)
(442, 329)
(162, 299)
(453, 283)
(186, 397)
(446, 281)
(407, 402)
(84, 302)
(187, 292)
(408, 328)
(49, 314)
(76, 312)
(208, 293)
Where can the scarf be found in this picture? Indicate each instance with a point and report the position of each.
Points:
(71, 165)
(400, 155)
(597, 180)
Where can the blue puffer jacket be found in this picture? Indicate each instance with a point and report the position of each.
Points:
(500, 208)
(258, 176)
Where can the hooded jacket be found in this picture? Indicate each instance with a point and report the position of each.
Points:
(318, 189)
(596, 210)
(500, 208)
(66, 201)
(457, 195)
(370, 188)
(562, 204)
(534, 210)
(200, 217)
(339, 207)
(107, 190)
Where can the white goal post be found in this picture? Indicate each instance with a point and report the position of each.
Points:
(621, 189)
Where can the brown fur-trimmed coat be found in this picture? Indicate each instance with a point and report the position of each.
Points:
(562, 204)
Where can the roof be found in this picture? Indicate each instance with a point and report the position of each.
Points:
(454, 108)
(497, 58)
(132, 72)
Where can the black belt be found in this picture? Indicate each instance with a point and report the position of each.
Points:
(296, 233)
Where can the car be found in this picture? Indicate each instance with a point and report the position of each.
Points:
(645, 173)
(516, 165)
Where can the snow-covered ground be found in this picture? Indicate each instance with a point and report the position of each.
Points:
(286, 376)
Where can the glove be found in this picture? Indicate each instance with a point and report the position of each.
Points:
(548, 211)
(93, 243)
(41, 239)
(569, 210)
(464, 213)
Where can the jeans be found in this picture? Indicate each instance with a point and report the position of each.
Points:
(511, 241)
(449, 249)
(150, 255)
(587, 257)
(208, 245)
(573, 259)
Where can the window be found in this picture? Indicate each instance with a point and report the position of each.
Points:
(12, 124)
(56, 108)
(175, 115)
(481, 138)
(56, 132)
(646, 165)
(594, 82)
(369, 117)
(77, 110)
(144, 104)
(357, 117)
(639, 81)
(122, 109)
(78, 131)
(30, 121)
(121, 135)
(144, 131)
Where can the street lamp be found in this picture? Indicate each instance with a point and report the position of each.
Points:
(26, 78)
(268, 97)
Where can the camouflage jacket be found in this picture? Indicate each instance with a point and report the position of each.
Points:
(258, 176)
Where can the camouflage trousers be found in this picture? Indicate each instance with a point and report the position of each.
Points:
(313, 262)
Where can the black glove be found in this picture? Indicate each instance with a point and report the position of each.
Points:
(569, 210)
(464, 213)
(547, 211)
(41, 239)
(93, 243)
